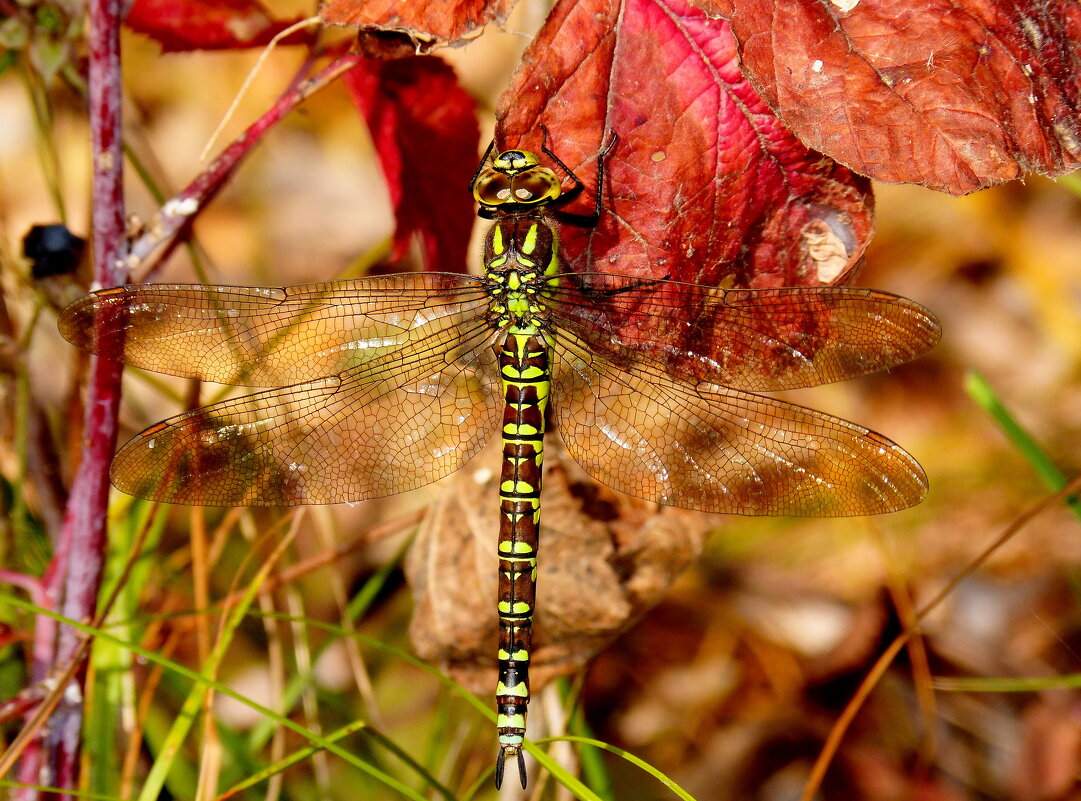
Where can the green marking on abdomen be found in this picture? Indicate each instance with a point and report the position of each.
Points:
(526, 381)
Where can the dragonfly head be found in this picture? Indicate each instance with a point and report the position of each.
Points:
(512, 162)
(516, 183)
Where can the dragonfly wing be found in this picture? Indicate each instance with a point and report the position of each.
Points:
(758, 340)
(393, 424)
(267, 336)
(718, 449)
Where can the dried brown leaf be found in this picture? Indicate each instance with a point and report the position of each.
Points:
(448, 21)
(618, 547)
(951, 94)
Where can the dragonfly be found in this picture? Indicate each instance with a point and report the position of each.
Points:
(381, 385)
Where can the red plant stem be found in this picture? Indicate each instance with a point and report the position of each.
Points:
(177, 212)
(74, 577)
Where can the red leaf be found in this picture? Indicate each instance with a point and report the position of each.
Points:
(951, 94)
(179, 25)
(446, 20)
(705, 183)
(425, 131)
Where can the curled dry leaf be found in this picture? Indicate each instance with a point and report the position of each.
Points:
(705, 184)
(951, 94)
(620, 548)
(447, 21)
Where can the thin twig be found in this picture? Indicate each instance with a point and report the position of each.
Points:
(177, 212)
(296, 571)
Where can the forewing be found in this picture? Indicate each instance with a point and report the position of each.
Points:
(255, 336)
(718, 449)
(392, 424)
(753, 339)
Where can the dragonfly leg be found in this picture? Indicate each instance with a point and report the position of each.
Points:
(630, 286)
(580, 220)
(483, 163)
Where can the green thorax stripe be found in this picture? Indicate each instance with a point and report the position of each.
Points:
(526, 243)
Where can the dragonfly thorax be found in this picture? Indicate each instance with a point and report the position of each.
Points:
(521, 253)
(526, 244)
(516, 298)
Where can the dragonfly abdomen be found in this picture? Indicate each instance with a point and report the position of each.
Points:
(526, 380)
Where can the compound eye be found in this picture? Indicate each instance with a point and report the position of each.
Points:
(536, 186)
(493, 189)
